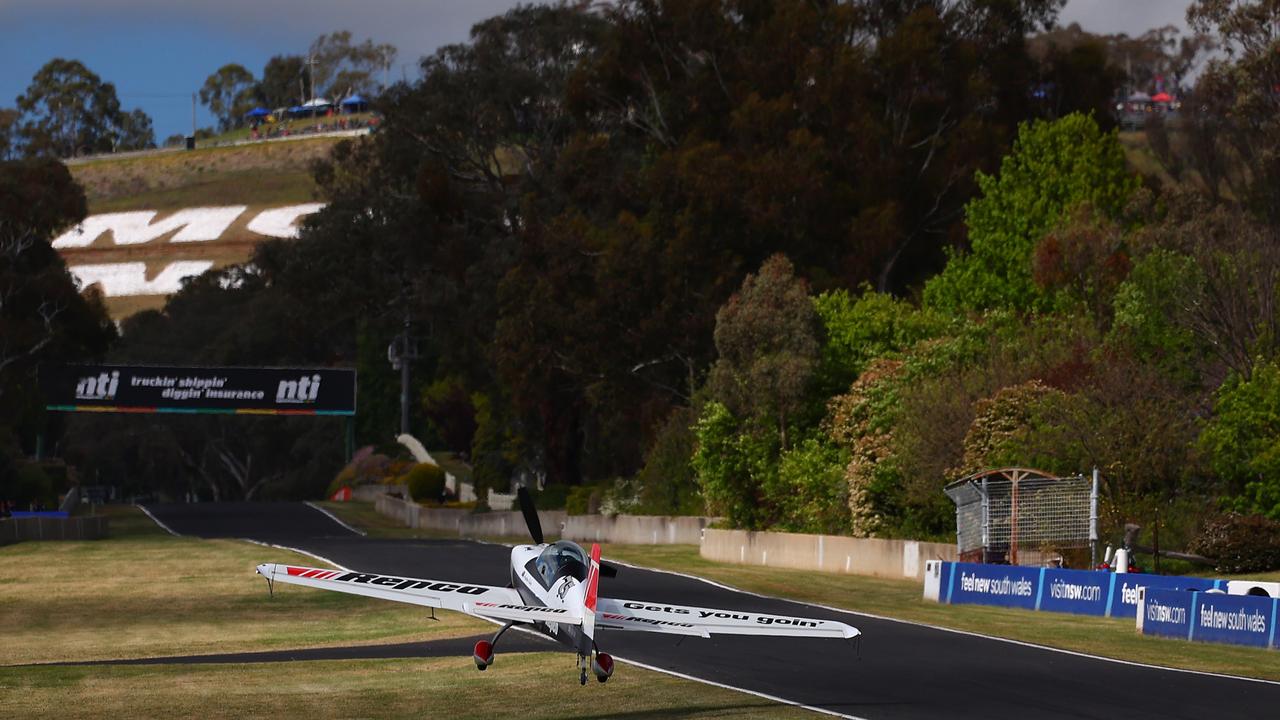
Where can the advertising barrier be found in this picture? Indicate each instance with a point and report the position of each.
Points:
(159, 389)
(1124, 600)
(1003, 585)
(1082, 592)
(1208, 617)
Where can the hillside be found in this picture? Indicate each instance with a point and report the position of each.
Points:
(158, 217)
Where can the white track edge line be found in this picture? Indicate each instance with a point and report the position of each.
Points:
(156, 520)
(335, 518)
(300, 551)
(774, 698)
(680, 675)
(954, 630)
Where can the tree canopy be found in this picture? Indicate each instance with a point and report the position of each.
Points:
(68, 110)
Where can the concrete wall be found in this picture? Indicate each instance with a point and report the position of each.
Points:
(636, 529)
(370, 493)
(466, 523)
(73, 528)
(629, 529)
(825, 553)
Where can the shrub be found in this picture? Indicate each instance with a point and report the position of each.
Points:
(584, 500)
(667, 484)
(1240, 543)
(34, 486)
(366, 467)
(425, 482)
(812, 492)
(551, 497)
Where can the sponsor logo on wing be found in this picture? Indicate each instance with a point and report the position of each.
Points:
(527, 608)
(312, 573)
(724, 615)
(395, 583)
(647, 621)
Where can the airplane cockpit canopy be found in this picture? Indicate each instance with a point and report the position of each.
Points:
(561, 559)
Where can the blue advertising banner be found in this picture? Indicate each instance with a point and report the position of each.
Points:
(1235, 619)
(1004, 585)
(1083, 592)
(1168, 613)
(1211, 617)
(1124, 598)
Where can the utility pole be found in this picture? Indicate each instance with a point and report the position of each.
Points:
(312, 62)
(402, 352)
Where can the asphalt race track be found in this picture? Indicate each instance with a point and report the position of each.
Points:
(901, 671)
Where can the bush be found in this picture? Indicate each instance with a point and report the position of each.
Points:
(425, 482)
(584, 500)
(365, 467)
(551, 497)
(666, 485)
(1240, 543)
(33, 486)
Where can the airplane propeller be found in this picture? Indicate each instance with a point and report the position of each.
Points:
(530, 515)
(535, 528)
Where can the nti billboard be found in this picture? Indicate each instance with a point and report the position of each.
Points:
(241, 390)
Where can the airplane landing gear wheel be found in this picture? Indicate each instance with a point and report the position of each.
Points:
(602, 666)
(583, 680)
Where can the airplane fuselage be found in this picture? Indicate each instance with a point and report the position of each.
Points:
(553, 575)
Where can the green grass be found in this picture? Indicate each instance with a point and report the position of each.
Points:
(903, 600)
(541, 685)
(144, 593)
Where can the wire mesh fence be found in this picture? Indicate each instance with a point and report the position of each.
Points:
(1017, 515)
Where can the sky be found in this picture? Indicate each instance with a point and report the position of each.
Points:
(158, 52)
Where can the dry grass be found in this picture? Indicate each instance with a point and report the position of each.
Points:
(143, 594)
(535, 685)
(266, 174)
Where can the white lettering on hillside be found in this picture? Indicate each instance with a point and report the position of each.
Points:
(281, 222)
(134, 228)
(126, 279)
(991, 586)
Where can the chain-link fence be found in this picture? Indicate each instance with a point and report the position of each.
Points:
(1017, 515)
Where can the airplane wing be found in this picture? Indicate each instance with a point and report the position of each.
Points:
(704, 622)
(479, 600)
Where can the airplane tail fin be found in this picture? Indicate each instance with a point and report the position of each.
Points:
(589, 598)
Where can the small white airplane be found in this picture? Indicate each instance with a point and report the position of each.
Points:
(554, 591)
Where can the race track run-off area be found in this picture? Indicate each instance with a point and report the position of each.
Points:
(900, 670)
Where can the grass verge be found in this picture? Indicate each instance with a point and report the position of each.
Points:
(545, 685)
(260, 174)
(144, 593)
(903, 600)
